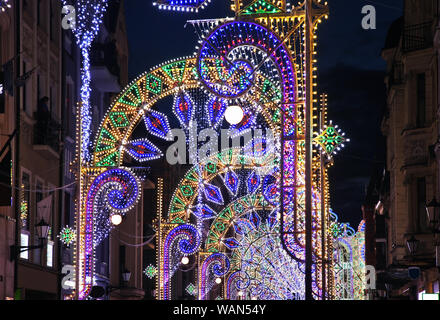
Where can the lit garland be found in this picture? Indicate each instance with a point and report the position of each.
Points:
(89, 14)
(67, 235)
(280, 78)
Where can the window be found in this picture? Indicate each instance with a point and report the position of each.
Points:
(421, 100)
(24, 89)
(422, 222)
(24, 242)
(49, 254)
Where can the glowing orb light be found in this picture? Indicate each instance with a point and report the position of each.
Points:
(234, 114)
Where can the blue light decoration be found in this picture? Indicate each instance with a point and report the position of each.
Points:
(4, 4)
(183, 108)
(253, 182)
(246, 124)
(232, 182)
(142, 150)
(255, 219)
(217, 265)
(243, 226)
(113, 191)
(213, 194)
(182, 5)
(203, 211)
(216, 108)
(187, 238)
(89, 14)
(231, 243)
(157, 124)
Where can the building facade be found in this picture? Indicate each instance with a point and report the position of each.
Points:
(411, 128)
(39, 90)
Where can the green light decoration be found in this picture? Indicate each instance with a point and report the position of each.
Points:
(150, 271)
(331, 139)
(67, 235)
(259, 7)
(191, 289)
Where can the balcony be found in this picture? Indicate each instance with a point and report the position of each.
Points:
(47, 138)
(418, 37)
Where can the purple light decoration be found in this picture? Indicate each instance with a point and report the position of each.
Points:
(143, 150)
(255, 219)
(218, 264)
(232, 181)
(157, 124)
(231, 243)
(204, 212)
(121, 191)
(188, 240)
(253, 182)
(243, 226)
(213, 194)
(239, 280)
(183, 109)
(216, 110)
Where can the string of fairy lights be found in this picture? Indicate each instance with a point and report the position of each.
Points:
(225, 218)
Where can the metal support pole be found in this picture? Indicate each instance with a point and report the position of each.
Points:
(17, 140)
(308, 146)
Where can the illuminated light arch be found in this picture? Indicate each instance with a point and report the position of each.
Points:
(113, 190)
(144, 92)
(217, 265)
(187, 238)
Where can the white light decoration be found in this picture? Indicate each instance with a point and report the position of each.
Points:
(116, 219)
(88, 21)
(234, 114)
(4, 5)
(218, 280)
(185, 260)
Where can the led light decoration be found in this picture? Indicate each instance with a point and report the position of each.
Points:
(183, 108)
(114, 191)
(186, 239)
(157, 124)
(234, 114)
(143, 150)
(232, 181)
(67, 236)
(213, 194)
(150, 271)
(116, 219)
(216, 108)
(348, 260)
(252, 236)
(331, 140)
(191, 289)
(4, 4)
(89, 14)
(213, 267)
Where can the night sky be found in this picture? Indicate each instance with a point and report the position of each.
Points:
(351, 72)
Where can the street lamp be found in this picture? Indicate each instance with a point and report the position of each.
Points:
(126, 274)
(42, 230)
(412, 244)
(432, 210)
